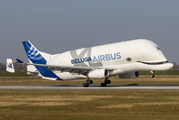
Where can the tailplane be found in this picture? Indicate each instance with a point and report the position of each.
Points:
(31, 70)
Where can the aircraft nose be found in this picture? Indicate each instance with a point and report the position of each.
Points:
(168, 66)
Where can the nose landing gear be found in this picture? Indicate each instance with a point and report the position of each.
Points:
(152, 74)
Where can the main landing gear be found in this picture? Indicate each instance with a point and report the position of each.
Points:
(88, 81)
(152, 74)
(106, 81)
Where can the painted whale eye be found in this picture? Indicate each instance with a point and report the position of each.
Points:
(157, 47)
(128, 59)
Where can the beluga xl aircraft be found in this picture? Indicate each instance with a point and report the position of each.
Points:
(125, 59)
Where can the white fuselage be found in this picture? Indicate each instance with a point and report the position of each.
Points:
(122, 57)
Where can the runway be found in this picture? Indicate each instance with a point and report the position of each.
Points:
(91, 87)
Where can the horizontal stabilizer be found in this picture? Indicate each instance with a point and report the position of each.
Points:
(19, 61)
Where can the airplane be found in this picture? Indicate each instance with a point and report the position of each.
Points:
(125, 59)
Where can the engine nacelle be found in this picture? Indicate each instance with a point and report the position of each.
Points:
(130, 75)
(99, 73)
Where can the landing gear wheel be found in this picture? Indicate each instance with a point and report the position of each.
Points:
(108, 81)
(85, 84)
(89, 81)
(152, 76)
(103, 84)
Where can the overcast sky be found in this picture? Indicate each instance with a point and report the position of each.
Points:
(55, 26)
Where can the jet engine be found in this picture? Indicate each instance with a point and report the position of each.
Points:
(130, 75)
(99, 73)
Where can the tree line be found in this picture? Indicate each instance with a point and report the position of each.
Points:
(175, 66)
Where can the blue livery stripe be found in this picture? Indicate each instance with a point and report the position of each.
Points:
(10, 65)
(37, 58)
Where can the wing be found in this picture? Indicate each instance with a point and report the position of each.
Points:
(71, 69)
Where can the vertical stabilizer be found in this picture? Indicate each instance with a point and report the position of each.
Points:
(38, 57)
(9, 66)
(34, 55)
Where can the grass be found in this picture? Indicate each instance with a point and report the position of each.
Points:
(17, 74)
(169, 72)
(90, 104)
(115, 80)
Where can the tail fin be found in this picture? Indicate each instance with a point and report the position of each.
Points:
(9, 66)
(35, 56)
